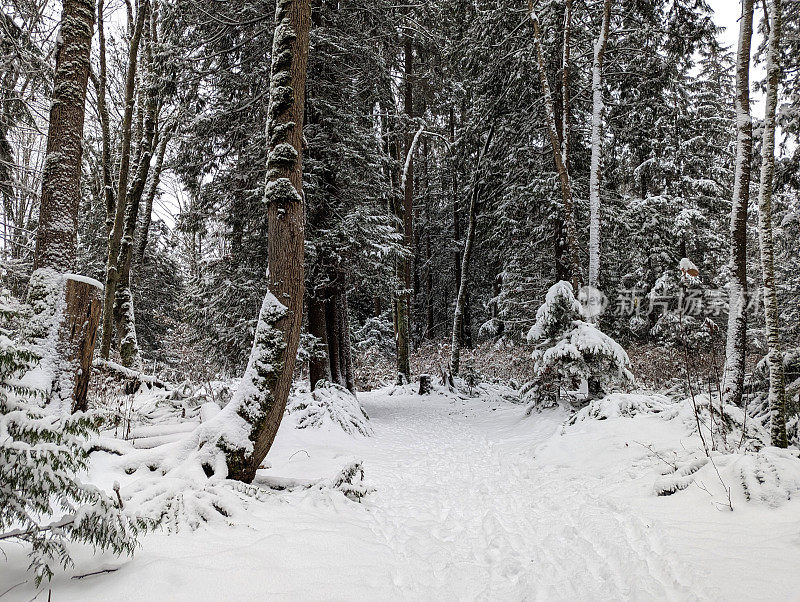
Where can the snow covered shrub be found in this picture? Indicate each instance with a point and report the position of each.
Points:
(570, 351)
(621, 405)
(329, 404)
(42, 503)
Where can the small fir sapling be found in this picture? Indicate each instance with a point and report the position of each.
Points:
(42, 502)
(678, 295)
(570, 350)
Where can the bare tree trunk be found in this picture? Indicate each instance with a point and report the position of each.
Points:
(83, 303)
(102, 109)
(456, 220)
(733, 376)
(164, 138)
(61, 180)
(407, 183)
(777, 389)
(115, 234)
(455, 345)
(558, 154)
(124, 317)
(565, 54)
(319, 367)
(261, 396)
(428, 271)
(597, 147)
(332, 321)
(75, 318)
(345, 351)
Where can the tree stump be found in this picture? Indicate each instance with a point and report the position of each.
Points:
(78, 331)
(424, 384)
(63, 328)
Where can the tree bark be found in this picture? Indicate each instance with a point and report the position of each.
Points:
(261, 396)
(124, 317)
(558, 155)
(777, 389)
(403, 335)
(597, 146)
(736, 345)
(455, 345)
(332, 320)
(61, 178)
(164, 138)
(318, 367)
(79, 331)
(345, 350)
(102, 109)
(115, 234)
(75, 319)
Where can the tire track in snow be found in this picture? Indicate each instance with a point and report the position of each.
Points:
(469, 517)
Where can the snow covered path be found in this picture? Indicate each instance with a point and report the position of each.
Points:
(470, 515)
(472, 501)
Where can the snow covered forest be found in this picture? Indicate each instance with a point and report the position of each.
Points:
(449, 300)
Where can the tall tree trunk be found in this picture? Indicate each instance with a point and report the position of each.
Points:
(73, 309)
(318, 366)
(164, 138)
(124, 317)
(565, 96)
(428, 271)
(456, 220)
(115, 234)
(458, 314)
(736, 345)
(777, 389)
(61, 178)
(558, 154)
(332, 321)
(597, 147)
(102, 109)
(404, 298)
(261, 396)
(345, 351)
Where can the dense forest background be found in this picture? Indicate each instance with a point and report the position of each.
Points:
(401, 102)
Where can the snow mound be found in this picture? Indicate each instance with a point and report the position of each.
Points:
(724, 427)
(329, 405)
(178, 502)
(770, 476)
(678, 477)
(622, 405)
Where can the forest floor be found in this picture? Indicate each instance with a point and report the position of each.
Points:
(472, 500)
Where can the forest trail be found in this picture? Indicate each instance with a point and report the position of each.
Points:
(469, 514)
(472, 500)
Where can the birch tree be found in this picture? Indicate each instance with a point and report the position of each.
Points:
(597, 146)
(733, 379)
(777, 389)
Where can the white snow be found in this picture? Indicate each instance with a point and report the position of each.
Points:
(472, 500)
(85, 280)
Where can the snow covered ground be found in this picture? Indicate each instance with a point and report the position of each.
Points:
(472, 500)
